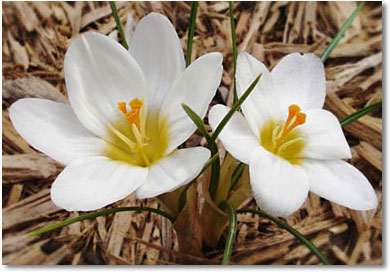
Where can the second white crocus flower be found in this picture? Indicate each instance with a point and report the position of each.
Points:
(124, 122)
(291, 144)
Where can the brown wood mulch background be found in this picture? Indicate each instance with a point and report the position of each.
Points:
(35, 38)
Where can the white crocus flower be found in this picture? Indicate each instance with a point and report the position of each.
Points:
(124, 122)
(291, 144)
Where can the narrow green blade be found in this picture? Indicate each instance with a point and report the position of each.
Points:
(341, 33)
(119, 24)
(290, 229)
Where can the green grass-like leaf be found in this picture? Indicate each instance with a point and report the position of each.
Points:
(190, 39)
(290, 229)
(341, 33)
(197, 121)
(119, 24)
(235, 106)
(237, 175)
(357, 114)
(191, 31)
(215, 171)
(214, 175)
(234, 44)
(227, 207)
(97, 214)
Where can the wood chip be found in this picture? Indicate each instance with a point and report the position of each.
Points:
(32, 208)
(30, 87)
(370, 154)
(25, 167)
(25, 11)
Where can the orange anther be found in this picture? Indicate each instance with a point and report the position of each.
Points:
(300, 118)
(122, 107)
(293, 109)
(132, 115)
(135, 103)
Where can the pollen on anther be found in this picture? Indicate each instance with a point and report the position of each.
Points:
(301, 118)
(135, 103)
(291, 123)
(293, 109)
(122, 107)
(133, 115)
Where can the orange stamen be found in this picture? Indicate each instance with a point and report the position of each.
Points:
(132, 116)
(122, 107)
(300, 118)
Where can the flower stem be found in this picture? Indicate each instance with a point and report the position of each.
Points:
(226, 206)
(357, 114)
(233, 31)
(119, 24)
(341, 33)
(235, 106)
(191, 31)
(290, 229)
(96, 214)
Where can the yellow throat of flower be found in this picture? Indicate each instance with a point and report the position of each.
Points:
(283, 139)
(136, 138)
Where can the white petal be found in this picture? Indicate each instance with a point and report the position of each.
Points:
(99, 73)
(53, 129)
(173, 171)
(195, 87)
(236, 136)
(323, 136)
(340, 182)
(156, 47)
(300, 79)
(92, 183)
(279, 187)
(259, 105)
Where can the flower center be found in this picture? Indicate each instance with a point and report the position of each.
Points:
(283, 139)
(137, 139)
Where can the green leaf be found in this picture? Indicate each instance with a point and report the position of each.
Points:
(211, 144)
(341, 33)
(290, 229)
(96, 214)
(119, 24)
(191, 31)
(237, 175)
(357, 114)
(235, 106)
(216, 167)
(227, 207)
(209, 162)
(197, 121)
(233, 31)
(183, 196)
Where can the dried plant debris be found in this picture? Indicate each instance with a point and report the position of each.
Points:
(35, 38)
